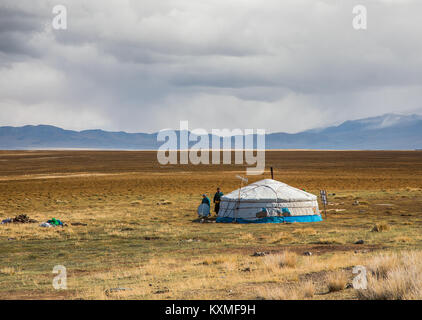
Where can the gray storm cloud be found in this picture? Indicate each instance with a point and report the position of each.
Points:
(141, 66)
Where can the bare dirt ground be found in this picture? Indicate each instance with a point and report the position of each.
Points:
(136, 228)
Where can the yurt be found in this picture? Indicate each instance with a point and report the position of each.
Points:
(268, 201)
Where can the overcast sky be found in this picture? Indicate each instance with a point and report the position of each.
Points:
(142, 66)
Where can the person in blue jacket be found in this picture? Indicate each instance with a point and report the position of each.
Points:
(206, 200)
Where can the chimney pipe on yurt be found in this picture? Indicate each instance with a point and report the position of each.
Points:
(272, 173)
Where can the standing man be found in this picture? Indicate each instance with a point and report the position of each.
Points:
(217, 199)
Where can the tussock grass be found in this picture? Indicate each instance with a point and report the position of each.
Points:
(305, 231)
(282, 238)
(285, 259)
(380, 227)
(246, 237)
(8, 271)
(397, 276)
(213, 261)
(308, 289)
(381, 264)
(336, 281)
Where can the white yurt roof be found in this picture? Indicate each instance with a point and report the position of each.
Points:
(269, 190)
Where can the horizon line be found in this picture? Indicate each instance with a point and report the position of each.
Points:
(170, 129)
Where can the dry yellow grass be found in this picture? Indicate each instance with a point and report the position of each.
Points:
(157, 252)
(336, 281)
(308, 289)
(285, 259)
(305, 231)
(380, 227)
(397, 276)
(404, 239)
(298, 292)
(7, 271)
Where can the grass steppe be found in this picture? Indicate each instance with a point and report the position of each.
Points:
(155, 251)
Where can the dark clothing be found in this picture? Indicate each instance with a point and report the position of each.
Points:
(217, 196)
(217, 199)
(206, 200)
(217, 208)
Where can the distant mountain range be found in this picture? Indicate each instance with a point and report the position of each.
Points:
(386, 132)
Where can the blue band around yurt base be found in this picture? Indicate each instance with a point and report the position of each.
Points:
(312, 218)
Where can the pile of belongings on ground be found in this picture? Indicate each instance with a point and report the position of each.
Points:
(22, 218)
(52, 223)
